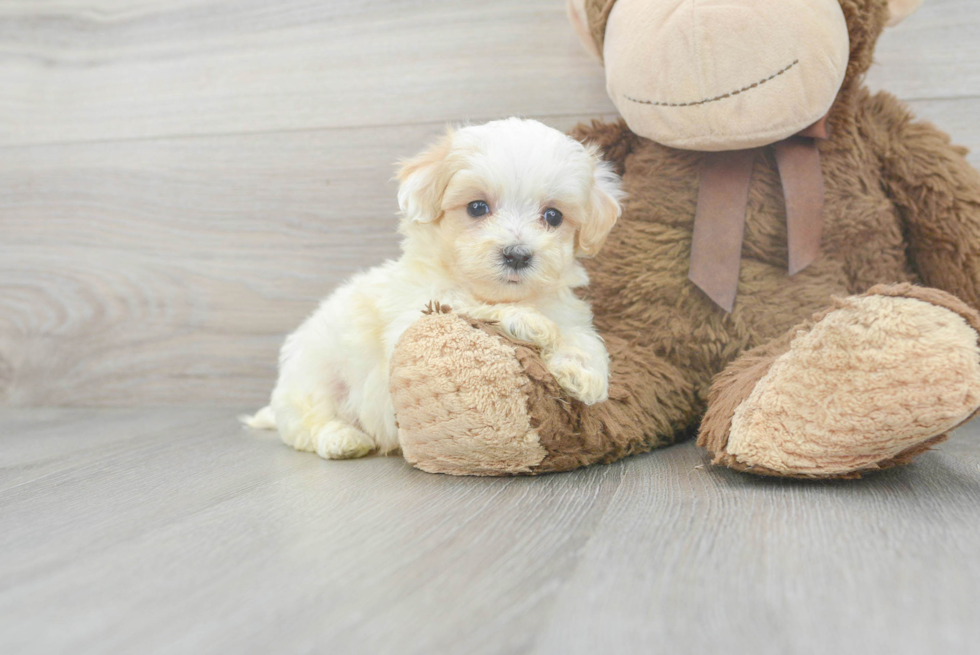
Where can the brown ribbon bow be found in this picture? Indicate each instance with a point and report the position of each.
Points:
(716, 248)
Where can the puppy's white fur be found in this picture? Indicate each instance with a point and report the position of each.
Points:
(332, 394)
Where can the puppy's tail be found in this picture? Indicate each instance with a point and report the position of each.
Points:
(263, 419)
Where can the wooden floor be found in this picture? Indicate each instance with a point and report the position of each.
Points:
(181, 181)
(166, 531)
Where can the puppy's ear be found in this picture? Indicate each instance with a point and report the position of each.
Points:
(423, 180)
(603, 210)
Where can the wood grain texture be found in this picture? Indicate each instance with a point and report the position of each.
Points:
(164, 530)
(167, 270)
(108, 69)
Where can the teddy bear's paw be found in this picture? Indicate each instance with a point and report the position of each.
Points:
(461, 402)
(872, 383)
(340, 440)
(579, 380)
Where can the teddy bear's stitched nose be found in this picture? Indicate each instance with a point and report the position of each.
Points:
(517, 257)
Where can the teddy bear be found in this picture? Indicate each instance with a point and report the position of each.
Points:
(794, 278)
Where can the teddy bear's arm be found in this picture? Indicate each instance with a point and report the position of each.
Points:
(471, 401)
(937, 194)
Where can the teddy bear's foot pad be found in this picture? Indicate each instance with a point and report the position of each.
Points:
(459, 395)
(873, 382)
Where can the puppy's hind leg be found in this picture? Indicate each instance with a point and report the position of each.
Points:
(341, 440)
(312, 423)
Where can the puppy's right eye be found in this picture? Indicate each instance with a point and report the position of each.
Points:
(478, 208)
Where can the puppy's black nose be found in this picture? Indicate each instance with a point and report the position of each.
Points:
(517, 257)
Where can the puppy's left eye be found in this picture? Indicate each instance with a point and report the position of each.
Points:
(552, 216)
(478, 208)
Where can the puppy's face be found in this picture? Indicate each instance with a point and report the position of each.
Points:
(507, 207)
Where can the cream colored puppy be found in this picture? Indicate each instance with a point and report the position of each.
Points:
(493, 218)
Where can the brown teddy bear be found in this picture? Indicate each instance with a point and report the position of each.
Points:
(794, 275)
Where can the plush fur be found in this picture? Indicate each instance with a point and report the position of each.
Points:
(332, 395)
(902, 206)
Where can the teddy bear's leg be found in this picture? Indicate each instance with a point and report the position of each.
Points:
(870, 383)
(937, 193)
(470, 401)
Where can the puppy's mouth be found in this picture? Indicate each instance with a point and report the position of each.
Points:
(512, 278)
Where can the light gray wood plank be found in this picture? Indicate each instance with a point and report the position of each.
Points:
(933, 54)
(110, 69)
(883, 565)
(168, 271)
(214, 540)
(39, 442)
(81, 71)
(206, 538)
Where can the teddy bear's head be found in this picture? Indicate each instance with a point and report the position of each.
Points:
(730, 74)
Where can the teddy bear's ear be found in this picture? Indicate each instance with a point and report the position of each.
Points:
(576, 15)
(604, 210)
(423, 180)
(899, 10)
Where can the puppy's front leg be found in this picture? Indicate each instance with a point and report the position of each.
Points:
(575, 355)
(580, 365)
(521, 323)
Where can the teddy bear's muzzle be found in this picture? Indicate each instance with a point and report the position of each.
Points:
(775, 68)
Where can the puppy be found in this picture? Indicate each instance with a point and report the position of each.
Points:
(494, 218)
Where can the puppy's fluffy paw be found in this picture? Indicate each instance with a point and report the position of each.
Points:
(531, 326)
(339, 440)
(578, 380)
(521, 323)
